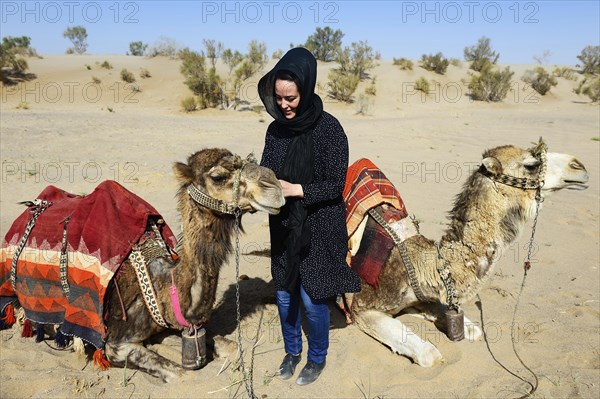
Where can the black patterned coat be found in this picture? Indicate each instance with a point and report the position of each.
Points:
(324, 272)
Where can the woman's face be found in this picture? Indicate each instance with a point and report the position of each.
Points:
(287, 96)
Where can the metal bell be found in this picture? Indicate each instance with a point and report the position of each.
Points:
(455, 324)
(193, 349)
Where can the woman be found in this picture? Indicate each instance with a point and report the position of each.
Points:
(308, 151)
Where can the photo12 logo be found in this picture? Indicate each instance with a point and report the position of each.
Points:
(470, 11)
(270, 12)
(70, 11)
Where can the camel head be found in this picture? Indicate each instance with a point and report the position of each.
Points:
(561, 170)
(217, 177)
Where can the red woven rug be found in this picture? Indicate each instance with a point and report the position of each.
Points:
(102, 228)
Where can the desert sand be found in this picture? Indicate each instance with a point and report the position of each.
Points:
(75, 134)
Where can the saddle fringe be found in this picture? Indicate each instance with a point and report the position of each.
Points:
(100, 360)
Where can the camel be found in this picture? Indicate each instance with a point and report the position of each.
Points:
(487, 216)
(216, 187)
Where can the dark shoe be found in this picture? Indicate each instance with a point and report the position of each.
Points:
(288, 365)
(310, 373)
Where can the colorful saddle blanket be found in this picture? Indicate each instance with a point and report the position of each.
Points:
(96, 232)
(368, 188)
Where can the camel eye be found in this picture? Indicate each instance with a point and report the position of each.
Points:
(218, 178)
(531, 166)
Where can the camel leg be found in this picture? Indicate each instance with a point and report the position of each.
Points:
(136, 356)
(435, 314)
(398, 337)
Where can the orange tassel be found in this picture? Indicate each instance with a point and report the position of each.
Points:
(9, 317)
(27, 329)
(100, 360)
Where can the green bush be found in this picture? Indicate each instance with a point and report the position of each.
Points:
(436, 63)
(11, 50)
(277, 54)
(342, 85)
(188, 104)
(204, 84)
(422, 84)
(324, 43)
(404, 64)
(144, 73)
(127, 76)
(590, 86)
(565, 72)
(78, 37)
(540, 80)
(371, 89)
(481, 55)
(137, 48)
(490, 85)
(590, 59)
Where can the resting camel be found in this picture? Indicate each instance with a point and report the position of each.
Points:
(487, 216)
(215, 188)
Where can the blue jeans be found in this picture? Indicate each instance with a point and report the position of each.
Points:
(317, 313)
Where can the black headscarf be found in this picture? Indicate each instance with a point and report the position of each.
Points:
(289, 229)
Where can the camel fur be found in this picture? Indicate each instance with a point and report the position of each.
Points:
(487, 216)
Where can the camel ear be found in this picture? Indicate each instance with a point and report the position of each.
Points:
(492, 165)
(183, 173)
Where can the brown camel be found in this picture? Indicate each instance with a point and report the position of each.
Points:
(207, 242)
(487, 216)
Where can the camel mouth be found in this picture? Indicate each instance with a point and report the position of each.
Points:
(575, 185)
(264, 208)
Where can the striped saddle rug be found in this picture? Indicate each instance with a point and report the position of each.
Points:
(60, 255)
(368, 188)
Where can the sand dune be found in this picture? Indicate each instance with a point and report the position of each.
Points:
(426, 145)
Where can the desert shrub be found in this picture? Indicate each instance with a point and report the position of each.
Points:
(137, 48)
(78, 37)
(166, 47)
(481, 55)
(589, 86)
(214, 49)
(106, 65)
(363, 104)
(127, 76)
(232, 59)
(371, 89)
(404, 63)
(590, 60)
(422, 84)
(145, 73)
(354, 62)
(88, 67)
(95, 80)
(540, 80)
(188, 104)
(277, 54)
(22, 105)
(490, 85)
(324, 43)
(11, 51)
(455, 62)
(342, 85)
(204, 84)
(436, 63)
(565, 72)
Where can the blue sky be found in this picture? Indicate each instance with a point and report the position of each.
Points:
(518, 29)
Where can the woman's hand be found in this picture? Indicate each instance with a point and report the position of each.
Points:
(291, 190)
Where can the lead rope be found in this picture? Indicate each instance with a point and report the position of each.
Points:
(527, 265)
(248, 382)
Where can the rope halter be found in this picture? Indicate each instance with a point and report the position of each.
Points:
(525, 183)
(230, 208)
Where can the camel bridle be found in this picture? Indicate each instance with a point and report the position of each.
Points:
(230, 208)
(524, 183)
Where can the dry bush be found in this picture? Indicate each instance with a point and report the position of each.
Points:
(404, 63)
(540, 80)
(106, 65)
(436, 63)
(565, 72)
(490, 85)
(422, 84)
(590, 86)
(127, 76)
(144, 73)
(189, 104)
(342, 85)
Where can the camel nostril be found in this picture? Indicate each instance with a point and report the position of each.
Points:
(575, 164)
